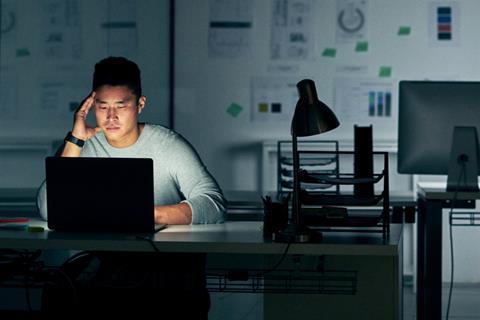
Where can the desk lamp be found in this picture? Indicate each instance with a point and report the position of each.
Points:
(311, 117)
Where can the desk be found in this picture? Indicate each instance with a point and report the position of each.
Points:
(383, 282)
(431, 201)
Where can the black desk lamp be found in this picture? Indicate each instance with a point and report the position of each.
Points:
(311, 117)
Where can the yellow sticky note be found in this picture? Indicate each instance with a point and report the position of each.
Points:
(35, 229)
(263, 107)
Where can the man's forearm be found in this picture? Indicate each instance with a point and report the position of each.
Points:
(174, 214)
(71, 150)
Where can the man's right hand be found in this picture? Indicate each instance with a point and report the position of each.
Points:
(81, 130)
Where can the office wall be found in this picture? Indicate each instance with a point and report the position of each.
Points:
(48, 52)
(397, 42)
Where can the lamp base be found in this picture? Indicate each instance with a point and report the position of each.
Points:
(297, 234)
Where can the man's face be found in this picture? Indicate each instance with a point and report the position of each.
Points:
(116, 111)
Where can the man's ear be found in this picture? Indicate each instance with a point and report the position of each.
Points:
(141, 103)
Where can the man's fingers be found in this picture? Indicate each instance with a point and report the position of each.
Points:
(87, 103)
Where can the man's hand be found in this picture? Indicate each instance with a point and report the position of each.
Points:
(81, 130)
(173, 214)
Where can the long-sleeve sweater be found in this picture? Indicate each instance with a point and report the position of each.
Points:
(179, 174)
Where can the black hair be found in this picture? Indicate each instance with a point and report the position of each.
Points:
(117, 71)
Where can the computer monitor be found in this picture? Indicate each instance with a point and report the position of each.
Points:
(429, 114)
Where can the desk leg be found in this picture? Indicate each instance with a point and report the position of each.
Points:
(429, 260)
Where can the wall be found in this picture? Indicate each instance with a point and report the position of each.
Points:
(48, 52)
(207, 85)
(399, 38)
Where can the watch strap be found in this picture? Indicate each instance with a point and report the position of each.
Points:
(71, 138)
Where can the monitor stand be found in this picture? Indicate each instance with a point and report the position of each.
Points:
(463, 166)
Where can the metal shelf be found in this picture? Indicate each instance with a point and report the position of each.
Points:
(283, 281)
(465, 219)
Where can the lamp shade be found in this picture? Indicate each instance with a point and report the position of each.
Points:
(311, 116)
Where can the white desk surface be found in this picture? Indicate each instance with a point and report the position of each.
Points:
(231, 237)
(437, 191)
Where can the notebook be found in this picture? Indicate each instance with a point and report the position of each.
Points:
(100, 194)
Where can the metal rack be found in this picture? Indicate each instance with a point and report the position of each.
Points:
(320, 164)
(465, 219)
(337, 221)
(283, 281)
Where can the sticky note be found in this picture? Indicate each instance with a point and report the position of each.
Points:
(35, 229)
(263, 107)
(403, 31)
(329, 52)
(385, 71)
(22, 52)
(362, 46)
(234, 109)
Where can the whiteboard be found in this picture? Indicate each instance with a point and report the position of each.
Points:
(49, 49)
(400, 41)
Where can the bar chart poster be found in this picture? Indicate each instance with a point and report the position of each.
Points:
(365, 101)
(444, 24)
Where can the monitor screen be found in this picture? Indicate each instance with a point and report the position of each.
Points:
(428, 113)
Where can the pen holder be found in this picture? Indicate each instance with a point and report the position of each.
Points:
(275, 216)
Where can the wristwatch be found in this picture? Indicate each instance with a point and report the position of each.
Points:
(74, 140)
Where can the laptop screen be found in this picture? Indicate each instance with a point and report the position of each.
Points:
(100, 194)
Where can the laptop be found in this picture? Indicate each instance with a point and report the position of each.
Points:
(100, 194)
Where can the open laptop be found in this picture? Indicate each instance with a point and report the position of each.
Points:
(100, 194)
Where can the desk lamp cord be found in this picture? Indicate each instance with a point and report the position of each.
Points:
(462, 172)
(279, 262)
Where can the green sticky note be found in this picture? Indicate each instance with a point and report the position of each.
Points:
(403, 31)
(385, 71)
(22, 52)
(329, 52)
(234, 109)
(362, 46)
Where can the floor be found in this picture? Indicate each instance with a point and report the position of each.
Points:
(465, 304)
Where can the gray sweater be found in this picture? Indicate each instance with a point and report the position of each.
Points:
(180, 176)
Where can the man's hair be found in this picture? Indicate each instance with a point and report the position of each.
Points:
(117, 71)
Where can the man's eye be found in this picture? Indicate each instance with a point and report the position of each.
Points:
(102, 107)
(121, 106)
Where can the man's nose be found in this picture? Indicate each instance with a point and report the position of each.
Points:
(112, 113)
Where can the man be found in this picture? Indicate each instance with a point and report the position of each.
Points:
(185, 193)
(184, 190)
